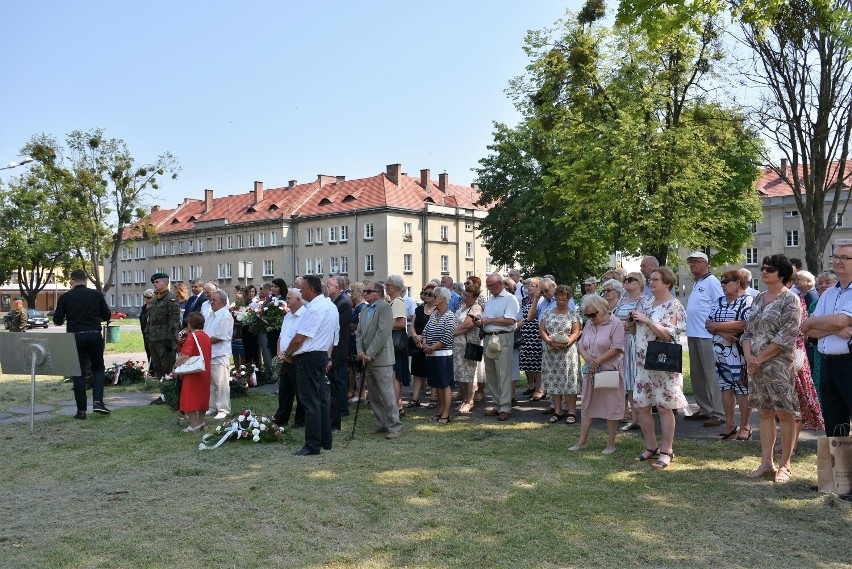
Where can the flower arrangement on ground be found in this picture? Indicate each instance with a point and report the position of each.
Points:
(126, 373)
(244, 427)
(242, 379)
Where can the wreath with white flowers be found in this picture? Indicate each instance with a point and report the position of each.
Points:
(244, 427)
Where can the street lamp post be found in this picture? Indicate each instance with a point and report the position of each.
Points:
(11, 165)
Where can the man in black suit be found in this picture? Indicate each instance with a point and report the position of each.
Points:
(339, 372)
(194, 302)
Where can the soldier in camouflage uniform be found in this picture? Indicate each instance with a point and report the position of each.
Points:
(162, 326)
(19, 315)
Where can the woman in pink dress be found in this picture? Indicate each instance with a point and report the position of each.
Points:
(195, 391)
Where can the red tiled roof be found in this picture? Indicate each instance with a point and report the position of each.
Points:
(770, 184)
(311, 199)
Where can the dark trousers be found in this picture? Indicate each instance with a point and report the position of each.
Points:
(338, 391)
(313, 394)
(836, 394)
(250, 347)
(286, 393)
(90, 346)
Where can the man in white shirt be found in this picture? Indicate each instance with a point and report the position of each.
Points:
(702, 364)
(832, 324)
(287, 380)
(499, 320)
(310, 349)
(206, 308)
(515, 275)
(219, 326)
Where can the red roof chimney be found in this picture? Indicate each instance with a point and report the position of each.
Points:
(442, 181)
(292, 184)
(323, 180)
(424, 179)
(394, 170)
(155, 208)
(208, 200)
(258, 192)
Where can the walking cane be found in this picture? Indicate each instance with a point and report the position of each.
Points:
(358, 405)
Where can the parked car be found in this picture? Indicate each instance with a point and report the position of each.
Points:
(35, 319)
(116, 315)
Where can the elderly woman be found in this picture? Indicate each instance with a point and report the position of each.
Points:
(612, 291)
(395, 288)
(195, 388)
(726, 322)
(531, 348)
(602, 348)
(560, 375)
(437, 344)
(805, 283)
(356, 368)
(418, 358)
(769, 343)
(466, 332)
(634, 285)
(659, 318)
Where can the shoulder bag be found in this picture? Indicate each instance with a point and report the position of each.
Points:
(664, 356)
(194, 364)
(606, 379)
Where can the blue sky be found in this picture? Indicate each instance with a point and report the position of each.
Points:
(270, 91)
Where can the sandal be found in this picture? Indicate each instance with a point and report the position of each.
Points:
(660, 464)
(570, 419)
(723, 436)
(440, 420)
(432, 405)
(465, 407)
(651, 454)
(537, 397)
(555, 418)
(413, 403)
(762, 472)
(740, 436)
(783, 475)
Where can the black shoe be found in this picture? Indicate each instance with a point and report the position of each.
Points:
(157, 401)
(99, 407)
(303, 452)
(80, 415)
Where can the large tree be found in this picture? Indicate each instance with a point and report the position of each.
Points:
(105, 192)
(629, 153)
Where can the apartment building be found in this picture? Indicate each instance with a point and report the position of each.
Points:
(390, 223)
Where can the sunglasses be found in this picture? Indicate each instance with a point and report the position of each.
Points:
(726, 281)
(592, 315)
(768, 269)
(631, 280)
(369, 290)
(428, 294)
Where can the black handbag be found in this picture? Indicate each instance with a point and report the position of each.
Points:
(400, 340)
(518, 339)
(664, 356)
(473, 352)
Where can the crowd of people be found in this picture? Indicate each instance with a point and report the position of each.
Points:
(784, 352)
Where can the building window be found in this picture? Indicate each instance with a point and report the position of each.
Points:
(177, 273)
(407, 231)
(261, 239)
(172, 247)
(223, 270)
(468, 250)
(839, 221)
(332, 234)
(488, 265)
(138, 299)
(791, 213)
(468, 274)
(319, 265)
(445, 233)
(190, 246)
(239, 241)
(309, 236)
(309, 266)
(406, 263)
(320, 233)
(200, 248)
(251, 239)
(751, 256)
(230, 242)
(754, 283)
(368, 231)
(793, 238)
(445, 264)
(180, 246)
(753, 226)
(218, 243)
(162, 249)
(344, 266)
(468, 226)
(368, 264)
(333, 265)
(344, 233)
(268, 269)
(273, 238)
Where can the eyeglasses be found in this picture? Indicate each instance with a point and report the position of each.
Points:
(841, 258)
(631, 280)
(492, 284)
(768, 269)
(369, 290)
(609, 290)
(726, 281)
(428, 295)
(592, 315)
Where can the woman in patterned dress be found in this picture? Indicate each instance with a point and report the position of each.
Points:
(560, 374)
(466, 332)
(634, 284)
(660, 318)
(769, 343)
(531, 348)
(726, 322)
(418, 358)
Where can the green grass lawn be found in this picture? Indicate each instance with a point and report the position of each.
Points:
(131, 490)
(131, 342)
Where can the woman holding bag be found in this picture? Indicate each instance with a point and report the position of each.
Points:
(602, 348)
(560, 375)
(195, 391)
(661, 318)
(466, 333)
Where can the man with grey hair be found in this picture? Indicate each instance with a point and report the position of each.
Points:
(749, 289)
(499, 320)
(220, 328)
(339, 372)
(648, 265)
(515, 275)
(206, 308)
(194, 302)
(455, 298)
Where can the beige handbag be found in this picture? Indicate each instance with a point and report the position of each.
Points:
(606, 379)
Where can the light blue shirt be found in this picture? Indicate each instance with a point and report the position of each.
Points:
(835, 300)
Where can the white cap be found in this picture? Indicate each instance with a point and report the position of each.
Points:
(698, 255)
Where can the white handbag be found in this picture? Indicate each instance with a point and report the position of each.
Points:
(606, 379)
(193, 364)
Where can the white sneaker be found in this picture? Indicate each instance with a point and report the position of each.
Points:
(220, 415)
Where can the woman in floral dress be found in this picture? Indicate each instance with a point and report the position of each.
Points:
(466, 332)
(560, 374)
(660, 318)
(769, 343)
